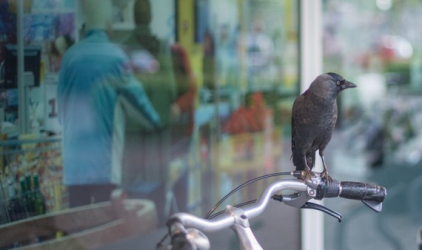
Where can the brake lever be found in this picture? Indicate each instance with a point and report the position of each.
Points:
(296, 200)
(310, 205)
(300, 200)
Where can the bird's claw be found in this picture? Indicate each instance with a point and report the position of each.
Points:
(307, 174)
(324, 175)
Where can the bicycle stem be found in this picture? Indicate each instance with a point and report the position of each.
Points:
(241, 227)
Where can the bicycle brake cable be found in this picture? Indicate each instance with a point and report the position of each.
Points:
(238, 205)
(207, 216)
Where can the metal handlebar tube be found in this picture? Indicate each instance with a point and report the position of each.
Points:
(184, 227)
(227, 220)
(251, 211)
(258, 207)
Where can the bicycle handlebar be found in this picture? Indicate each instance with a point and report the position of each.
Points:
(251, 211)
(371, 195)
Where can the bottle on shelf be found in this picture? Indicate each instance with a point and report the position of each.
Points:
(14, 207)
(39, 200)
(3, 201)
(29, 195)
(23, 196)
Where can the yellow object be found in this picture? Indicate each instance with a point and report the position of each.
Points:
(59, 234)
(42, 71)
(185, 24)
(28, 148)
(57, 196)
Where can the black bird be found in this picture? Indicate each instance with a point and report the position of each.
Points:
(314, 117)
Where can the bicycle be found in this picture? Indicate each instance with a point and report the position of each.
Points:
(186, 230)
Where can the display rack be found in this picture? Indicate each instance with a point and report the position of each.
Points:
(30, 178)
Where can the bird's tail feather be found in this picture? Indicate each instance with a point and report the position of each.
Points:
(299, 160)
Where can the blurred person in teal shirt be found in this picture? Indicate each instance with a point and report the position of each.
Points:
(96, 91)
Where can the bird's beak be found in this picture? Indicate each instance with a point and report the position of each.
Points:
(348, 85)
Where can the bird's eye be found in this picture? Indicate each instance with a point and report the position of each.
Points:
(338, 83)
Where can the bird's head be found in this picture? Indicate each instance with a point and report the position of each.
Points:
(330, 85)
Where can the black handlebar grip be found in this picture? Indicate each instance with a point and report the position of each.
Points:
(362, 191)
(328, 189)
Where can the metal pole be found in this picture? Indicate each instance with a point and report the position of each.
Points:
(312, 222)
(21, 69)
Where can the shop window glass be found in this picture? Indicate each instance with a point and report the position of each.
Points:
(116, 114)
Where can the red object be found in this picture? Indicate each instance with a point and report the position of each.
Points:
(186, 98)
(250, 119)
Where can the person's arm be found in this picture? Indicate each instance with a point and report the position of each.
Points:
(132, 96)
(185, 80)
(186, 100)
(137, 105)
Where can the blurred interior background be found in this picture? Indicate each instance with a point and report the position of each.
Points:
(243, 60)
